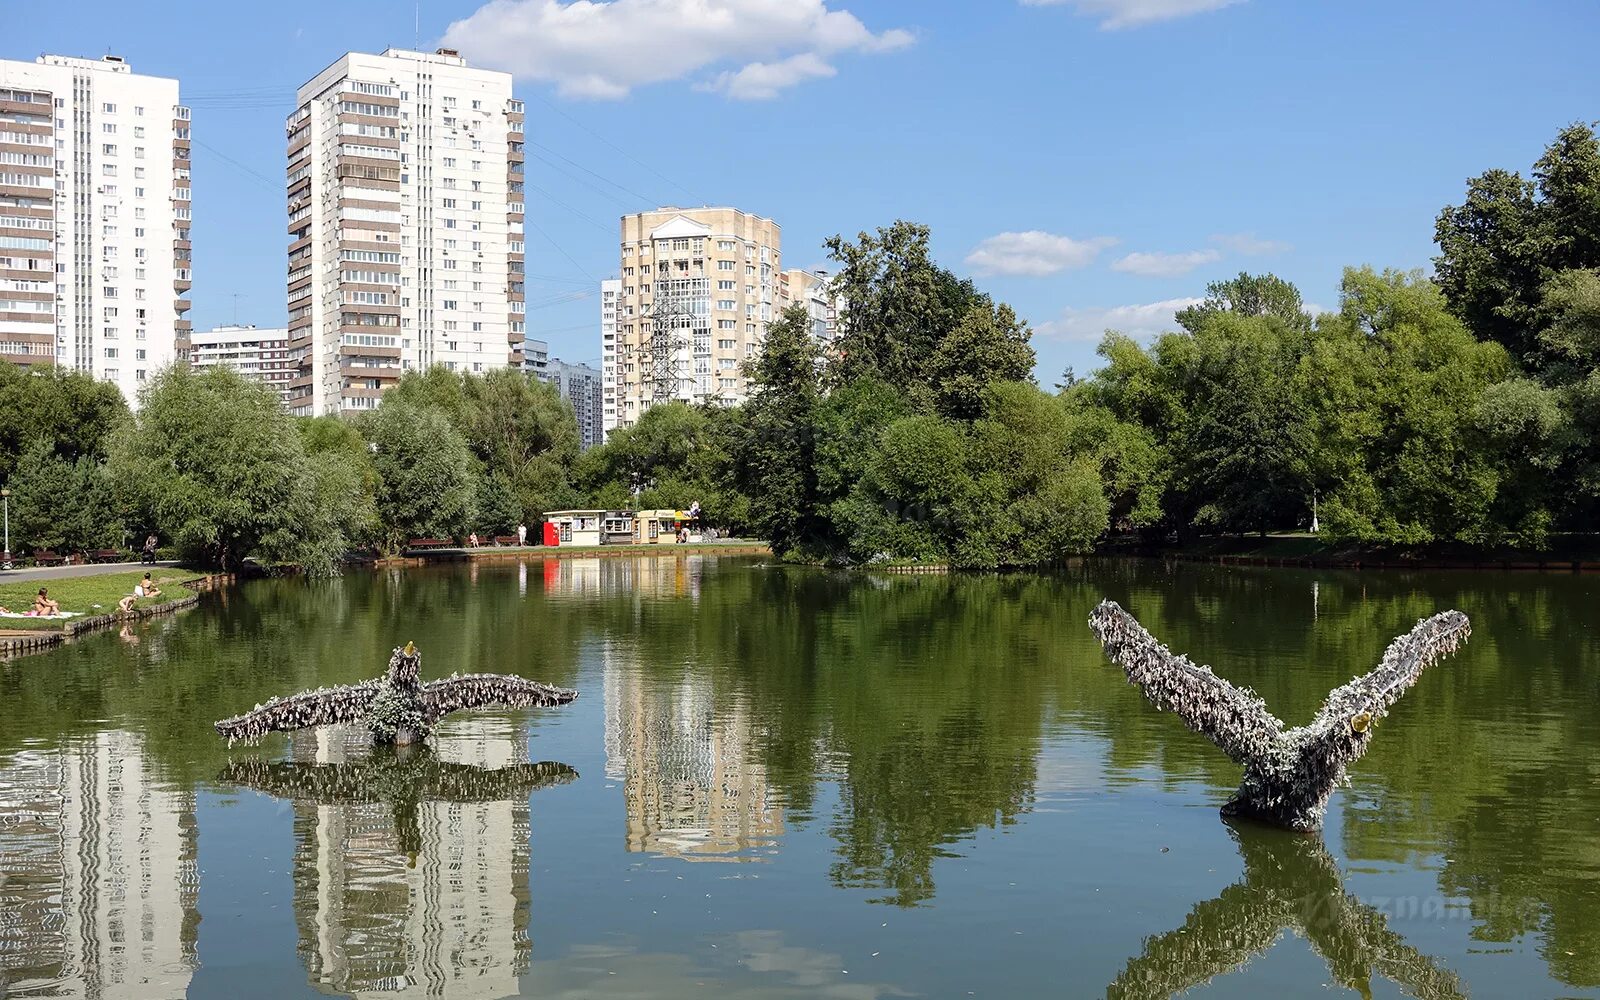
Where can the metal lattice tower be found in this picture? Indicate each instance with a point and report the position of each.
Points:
(679, 330)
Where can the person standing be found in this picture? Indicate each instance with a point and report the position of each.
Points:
(522, 534)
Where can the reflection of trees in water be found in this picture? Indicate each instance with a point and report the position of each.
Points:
(1292, 884)
(409, 871)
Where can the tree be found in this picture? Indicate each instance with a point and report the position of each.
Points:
(219, 465)
(1511, 236)
(777, 463)
(70, 409)
(1248, 295)
(899, 309)
(674, 455)
(427, 485)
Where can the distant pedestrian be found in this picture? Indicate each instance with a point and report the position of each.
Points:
(149, 553)
(522, 534)
(472, 540)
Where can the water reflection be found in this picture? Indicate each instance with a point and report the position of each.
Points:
(691, 786)
(97, 879)
(410, 871)
(1290, 883)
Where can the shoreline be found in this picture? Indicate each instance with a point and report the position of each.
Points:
(22, 642)
(540, 552)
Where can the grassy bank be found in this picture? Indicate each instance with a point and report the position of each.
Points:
(88, 595)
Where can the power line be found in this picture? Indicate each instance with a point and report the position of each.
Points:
(274, 185)
(589, 219)
(560, 249)
(624, 152)
(593, 173)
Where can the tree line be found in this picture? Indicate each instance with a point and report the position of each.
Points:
(1464, 407)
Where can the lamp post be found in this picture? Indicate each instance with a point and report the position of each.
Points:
(5, 497)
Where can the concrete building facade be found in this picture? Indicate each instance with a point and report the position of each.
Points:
(536, 357)
(580, 385)
(812, 289)
(697, 290)
(254, 352)
(95, 251)
(405, 208)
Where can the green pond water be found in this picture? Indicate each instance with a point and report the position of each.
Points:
(784, 782)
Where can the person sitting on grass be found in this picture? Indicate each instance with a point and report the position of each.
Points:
(43, 605)
(144, 588)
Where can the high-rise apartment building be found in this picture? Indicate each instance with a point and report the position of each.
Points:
(536, 357)
(260, 354)
(580, 386)
(94, 218)
(610, 381)
(405, 225)
(812, 289)
(698, 288)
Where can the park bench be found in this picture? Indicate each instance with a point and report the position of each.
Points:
(45, 557)
(506, 540)
(103, 555)
(430, 543)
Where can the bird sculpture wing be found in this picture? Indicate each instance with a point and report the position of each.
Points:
(327, 784)
(1235, 719)
(306, 710)
(1343, 727)
(465, 783)
(440, 698)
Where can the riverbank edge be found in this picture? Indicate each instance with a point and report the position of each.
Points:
(515, 553)
(37, 642)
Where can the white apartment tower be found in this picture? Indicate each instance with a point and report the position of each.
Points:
(405, 225)
(255, 353)
(610, 291)
(94, 218)
(699, 287)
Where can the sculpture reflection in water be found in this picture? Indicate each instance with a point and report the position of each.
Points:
(410, 871)
(1290, 883)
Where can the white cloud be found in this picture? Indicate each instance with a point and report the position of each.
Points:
(1115, 14)
(1034, 253)
(1141, 321)
(762, 81)
(1165, 265)
(605, 48)
(1250, 245)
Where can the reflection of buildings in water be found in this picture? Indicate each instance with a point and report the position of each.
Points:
(98, 881)
(691, 787)
(646, 575)
(452, 918)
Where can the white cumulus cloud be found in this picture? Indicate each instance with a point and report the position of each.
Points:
(1141, 321)
(604, 48)
(1250, 245)
(1115, 14)
(1034, 253)
(1164, 265)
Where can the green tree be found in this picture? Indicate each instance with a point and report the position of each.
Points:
(900, 308)
(427, 484)
(777, 464)
(1510, 236)
(1248, 295)
(675, 454)
(219, 465)
(70, 409)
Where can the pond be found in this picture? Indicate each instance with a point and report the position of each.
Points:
(787, 782)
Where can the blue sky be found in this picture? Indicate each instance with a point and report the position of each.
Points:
(1089, 161)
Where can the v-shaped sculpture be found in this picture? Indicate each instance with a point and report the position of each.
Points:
(1289, 884)
(398, 708)
(1288, 773)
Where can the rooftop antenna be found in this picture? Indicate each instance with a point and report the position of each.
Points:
(236, 308)
(416, 26)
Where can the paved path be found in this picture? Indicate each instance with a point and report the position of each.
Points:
(62, 572)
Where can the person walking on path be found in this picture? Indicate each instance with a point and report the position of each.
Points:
(522, 535)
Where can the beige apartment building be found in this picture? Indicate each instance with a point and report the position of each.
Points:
(94, 218)
(698, 287)
(405, 205)
(812, 289)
